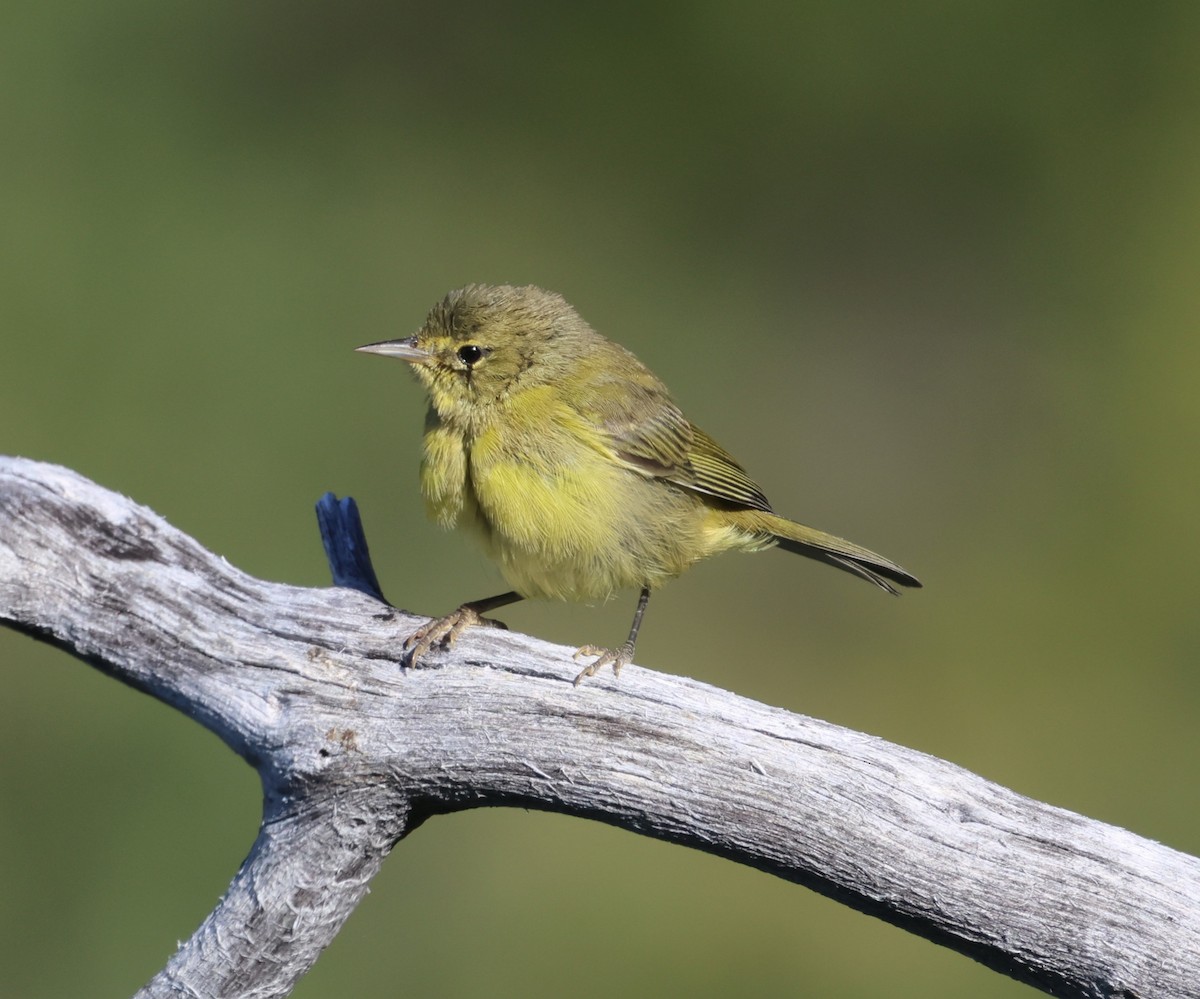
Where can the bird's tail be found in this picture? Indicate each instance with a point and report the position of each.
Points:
(831, 550)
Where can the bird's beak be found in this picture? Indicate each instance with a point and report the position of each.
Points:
(406, 350)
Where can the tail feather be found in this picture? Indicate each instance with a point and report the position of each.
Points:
(835, 551)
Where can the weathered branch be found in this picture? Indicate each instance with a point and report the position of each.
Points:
(354, 750)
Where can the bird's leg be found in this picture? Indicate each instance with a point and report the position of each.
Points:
(619, 656)
(444, 631)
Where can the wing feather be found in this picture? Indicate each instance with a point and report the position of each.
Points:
(648, 432)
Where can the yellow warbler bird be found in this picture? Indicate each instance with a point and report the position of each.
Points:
(571, 463)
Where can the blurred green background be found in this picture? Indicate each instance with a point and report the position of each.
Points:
(928, 270)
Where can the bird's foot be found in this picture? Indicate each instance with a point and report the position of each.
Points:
(617, 657)
(443, 632)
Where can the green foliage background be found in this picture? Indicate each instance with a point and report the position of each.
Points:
(928, 269)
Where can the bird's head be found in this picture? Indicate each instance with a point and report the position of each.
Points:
(483, 343)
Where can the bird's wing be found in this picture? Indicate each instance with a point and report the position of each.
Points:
(714, 471)
(643, 426)
(650, 434)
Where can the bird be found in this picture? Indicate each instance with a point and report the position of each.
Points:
(568, 459)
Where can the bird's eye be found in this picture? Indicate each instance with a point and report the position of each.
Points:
(470, 353)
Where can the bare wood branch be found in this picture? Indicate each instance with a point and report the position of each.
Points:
(354, 751)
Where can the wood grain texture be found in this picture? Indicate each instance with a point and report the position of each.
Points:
(355, 750)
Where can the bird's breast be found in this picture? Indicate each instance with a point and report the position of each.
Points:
(557, 510)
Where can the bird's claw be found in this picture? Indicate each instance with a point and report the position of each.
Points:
(443, 632)
(617, 657)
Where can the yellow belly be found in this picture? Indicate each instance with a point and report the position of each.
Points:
(561, 517)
